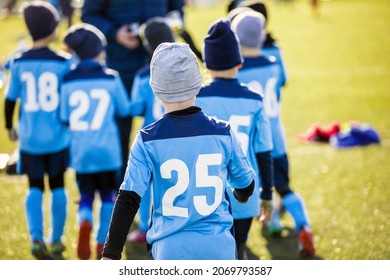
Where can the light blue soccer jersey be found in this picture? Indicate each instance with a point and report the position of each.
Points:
(228, 100)
(35, 79)
(189, 160)
(91, 98)
(143, 101)
(265, 75)
(272, 49)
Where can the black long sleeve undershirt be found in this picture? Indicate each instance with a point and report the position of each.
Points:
(242, 195)
(125, 209)
(9, 107)
(265, 164)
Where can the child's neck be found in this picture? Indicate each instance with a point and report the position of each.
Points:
(44, 42)
(225, 74)
(171, 107)
(39, 45)
(250, 52)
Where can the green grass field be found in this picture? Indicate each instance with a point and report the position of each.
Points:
(339, 70)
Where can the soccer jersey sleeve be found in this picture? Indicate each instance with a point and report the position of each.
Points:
(137, 102)
(241, 173)
(263, 136)
(64, 109)
(122, 102)
(138, 174)
(274, 51)
(14, 86)
(283, 71)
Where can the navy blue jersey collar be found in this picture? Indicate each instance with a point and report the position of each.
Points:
(41, 49)
(250, 62)
(88, 69)
(87, 65)
(184, 123)
(229, 88)
(225, 81)
(44, 53)
(187, 111)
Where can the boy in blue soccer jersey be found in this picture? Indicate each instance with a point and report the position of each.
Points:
(190, 160)
(227, 99)
(91, 97)
(146, 104)
(35, 79)
(270, 46)
(264, 74)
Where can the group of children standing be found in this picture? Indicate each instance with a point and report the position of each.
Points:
(202, 166)
(67, 118)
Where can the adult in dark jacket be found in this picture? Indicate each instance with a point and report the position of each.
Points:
(118, 20)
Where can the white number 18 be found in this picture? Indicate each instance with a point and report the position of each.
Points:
(47, 98)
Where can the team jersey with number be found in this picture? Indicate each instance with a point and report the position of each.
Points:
(229, 100)
(272, 49)
(35, 79)
(143, 101)
(189, 160)
(91, 97)
(264, 74)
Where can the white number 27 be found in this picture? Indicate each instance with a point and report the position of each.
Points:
(81, 100)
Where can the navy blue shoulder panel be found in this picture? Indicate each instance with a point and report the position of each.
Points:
(42, 54)
(272, 45)
(87, 73)
(144, 71)
(253, 62)
(228, 89)
(197, 124)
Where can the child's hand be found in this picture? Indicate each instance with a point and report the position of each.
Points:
(126, 38)
(13, 134)
(266, 210)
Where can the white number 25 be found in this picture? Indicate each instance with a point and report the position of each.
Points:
(203, 180)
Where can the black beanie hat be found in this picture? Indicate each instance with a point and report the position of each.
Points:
(257, 6)
(154, 32)
(85, 40)
(221, 50)
(41, 19)
(236, 11)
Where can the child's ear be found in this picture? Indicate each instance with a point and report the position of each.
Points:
(67, 49)
(102, 57)
(239, 66)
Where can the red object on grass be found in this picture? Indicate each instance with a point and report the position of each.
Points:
(320, 133)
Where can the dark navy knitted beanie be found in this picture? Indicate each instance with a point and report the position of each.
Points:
(41, 19)
(85, 40)
(221, 50)
(154, 32)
